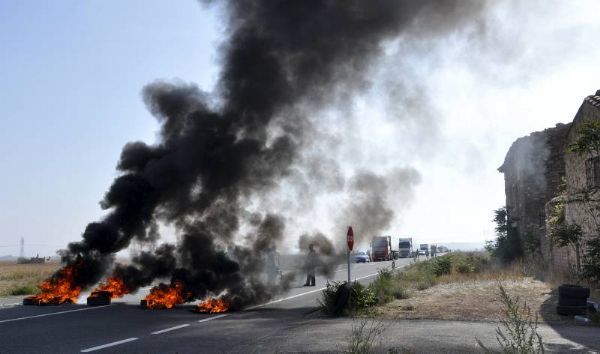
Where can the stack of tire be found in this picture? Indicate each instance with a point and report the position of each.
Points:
(572, 300)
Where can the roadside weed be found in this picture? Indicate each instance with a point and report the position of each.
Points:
(363, 335)
(519, 333)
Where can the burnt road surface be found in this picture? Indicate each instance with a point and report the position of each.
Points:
(125, 327)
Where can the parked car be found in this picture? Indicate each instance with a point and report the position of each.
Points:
(422, 253)
(361, 257)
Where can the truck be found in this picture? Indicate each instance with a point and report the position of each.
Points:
(424, 248)
(433, 249)
(381, 248)
(405, 247)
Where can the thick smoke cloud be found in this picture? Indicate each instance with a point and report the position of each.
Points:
(282, 61)
(372, 198)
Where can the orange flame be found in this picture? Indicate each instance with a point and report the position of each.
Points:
(59, 289)
(113, 285)
(214, 305)
(166, 297)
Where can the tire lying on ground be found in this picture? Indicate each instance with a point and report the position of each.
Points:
(30, 300)
(569, 301)
(571, 310)
(99, 298)
(342, 296)
(573, 291)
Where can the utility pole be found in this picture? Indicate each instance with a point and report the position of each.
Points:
(22, 250)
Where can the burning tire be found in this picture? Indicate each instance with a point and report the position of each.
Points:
(36, 301)
(30, 301)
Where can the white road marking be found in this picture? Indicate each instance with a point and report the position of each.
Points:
(109, 345)
(212, 318)
(171, 329)
(301, 294)
(53, 313)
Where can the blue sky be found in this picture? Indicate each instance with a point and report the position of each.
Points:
(71, 73)
(70, 79)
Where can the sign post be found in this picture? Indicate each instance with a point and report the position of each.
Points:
(350, 241)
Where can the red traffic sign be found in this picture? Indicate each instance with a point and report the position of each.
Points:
(350, 238)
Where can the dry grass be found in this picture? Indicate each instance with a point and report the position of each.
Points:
(473, 296)
(513, 272)
(23, 278)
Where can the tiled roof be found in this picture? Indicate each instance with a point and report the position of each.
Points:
(594, 100)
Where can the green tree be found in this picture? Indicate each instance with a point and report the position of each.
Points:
(588, 139)
(591, 260)
(568, 235)
(586, 144)
(507, 246)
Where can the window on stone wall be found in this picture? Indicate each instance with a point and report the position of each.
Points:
(592, 171)
(541, 219)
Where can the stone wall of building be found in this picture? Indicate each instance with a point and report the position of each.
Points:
(579, 210)
(533, 169)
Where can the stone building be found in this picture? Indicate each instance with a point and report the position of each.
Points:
(534, 168)
(582, 175)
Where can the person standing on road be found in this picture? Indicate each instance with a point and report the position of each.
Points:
(273, 269)
(311, 265)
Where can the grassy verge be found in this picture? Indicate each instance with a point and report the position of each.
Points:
(22, 279)
(392, 285)
(457, 286)
(385, 288)
(464, 286)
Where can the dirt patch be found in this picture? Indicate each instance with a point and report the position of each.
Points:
(471, 300)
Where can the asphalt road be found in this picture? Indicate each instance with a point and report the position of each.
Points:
(125, 327)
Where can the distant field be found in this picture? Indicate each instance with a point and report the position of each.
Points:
(22, 279)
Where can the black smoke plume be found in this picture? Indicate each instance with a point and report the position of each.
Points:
(375, 199)
(282, 60)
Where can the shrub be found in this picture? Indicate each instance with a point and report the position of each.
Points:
(466, 263)
(465, 268)
(24, 290)
(419, 274)
(362, 297)
(387, 287)
(329, 300)
(441, 265)
(334, 298)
